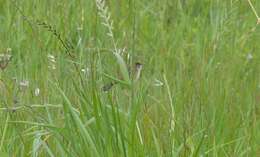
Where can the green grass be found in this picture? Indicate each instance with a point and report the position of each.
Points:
(198, 95)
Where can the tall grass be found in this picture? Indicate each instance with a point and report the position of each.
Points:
(198, 94)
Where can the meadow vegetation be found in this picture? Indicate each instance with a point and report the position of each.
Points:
(68, 86)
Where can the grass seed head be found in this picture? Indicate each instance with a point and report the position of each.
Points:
(4, 60)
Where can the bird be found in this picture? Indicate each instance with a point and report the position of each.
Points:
(136, 71)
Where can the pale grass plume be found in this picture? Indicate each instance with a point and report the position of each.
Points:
(5, 59)
(52, 61)
(37, 91)
(249, 56)
(24, 83)
(86, 70)
(158, 83)
(105, 15)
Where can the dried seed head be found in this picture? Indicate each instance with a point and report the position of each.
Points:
(51, 58)
(85, 71)
(52, 61)
(8, 50)
(249, 56)
(4, 60)
(158, 83)
(37, 92)
(24, 84)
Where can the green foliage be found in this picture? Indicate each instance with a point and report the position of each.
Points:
(198, 95)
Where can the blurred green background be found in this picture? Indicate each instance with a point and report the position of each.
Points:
(198, 95)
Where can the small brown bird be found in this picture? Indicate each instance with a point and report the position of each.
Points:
(137, 70)
(108, 86)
